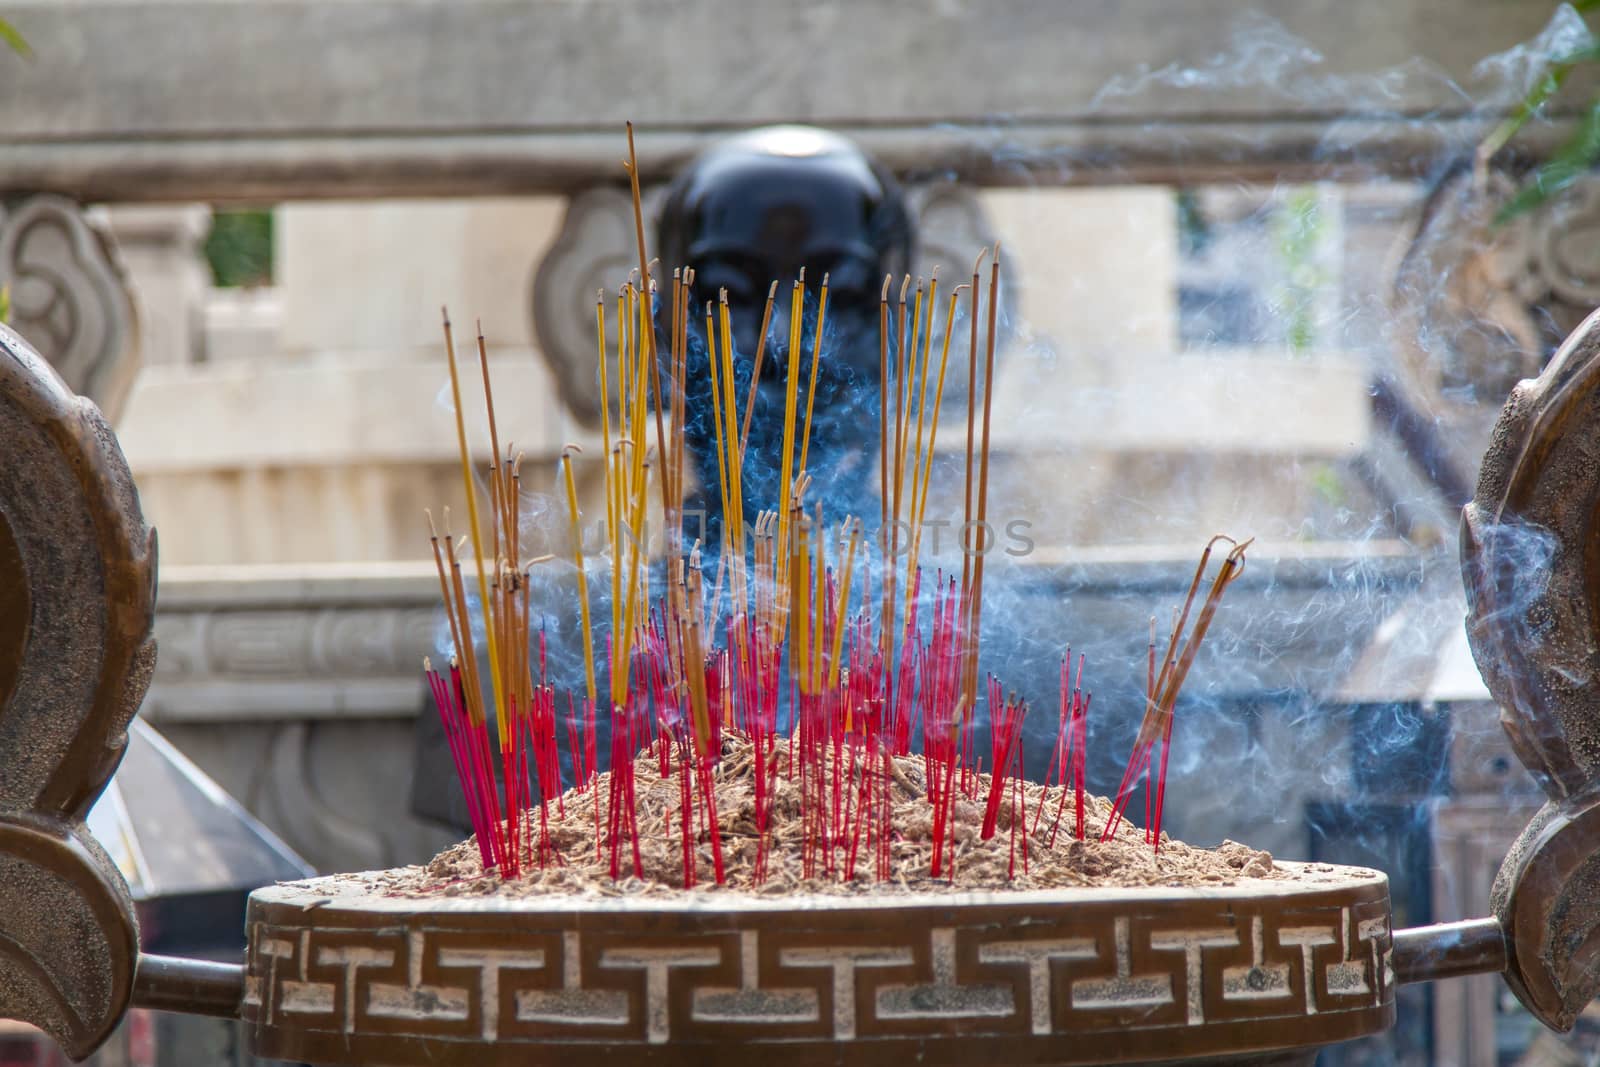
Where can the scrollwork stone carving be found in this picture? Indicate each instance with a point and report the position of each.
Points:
(594, 251)
(69, 297)
(1480, 301)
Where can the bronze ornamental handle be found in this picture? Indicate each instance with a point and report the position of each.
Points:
(1530, 558)
(77, 600)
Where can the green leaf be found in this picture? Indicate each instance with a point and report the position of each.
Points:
(9, 34)
(1571, 162)
(5, 304)
(1546, 87)
(240, 248)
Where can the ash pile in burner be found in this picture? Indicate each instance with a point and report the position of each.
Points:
(1124, 860)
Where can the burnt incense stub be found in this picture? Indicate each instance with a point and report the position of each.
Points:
(77, 596)
(338, 972)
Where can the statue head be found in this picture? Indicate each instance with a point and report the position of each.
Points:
(755, 209)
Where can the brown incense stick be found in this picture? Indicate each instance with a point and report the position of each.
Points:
(976, 629)
(755, 372)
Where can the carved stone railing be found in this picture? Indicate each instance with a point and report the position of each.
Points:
(502, 96)
(298, 690)
(510, 107)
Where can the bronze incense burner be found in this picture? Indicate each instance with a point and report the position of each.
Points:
(339, 973)
(336, 973)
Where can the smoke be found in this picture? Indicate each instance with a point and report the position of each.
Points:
(1509, 75)
(1264, 56)
(842, 446)
(1268, 746)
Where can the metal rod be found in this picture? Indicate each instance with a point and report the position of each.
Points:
(1449, 950)
(194, 987)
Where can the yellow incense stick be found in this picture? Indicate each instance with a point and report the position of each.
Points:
(843, 613)
(583, 578)
(472, 513)
(755, 371)
(735, 518)
(786, 463)
(717, 420)
(816, 360)
(920, 498)
(605, 399)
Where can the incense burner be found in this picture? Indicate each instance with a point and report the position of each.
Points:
(340, 971)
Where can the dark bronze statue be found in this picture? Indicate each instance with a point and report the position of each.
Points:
(759, 208)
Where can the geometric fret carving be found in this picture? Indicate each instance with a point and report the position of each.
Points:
(1191, 943)
(1124, 989)
(492, 963)
(354, 959)
(844, 961)
(944, 997)
(1307, 939)
(572, 1004)
(417, 999)
(658, 965)
(1259, 980)
(749, 1003)
(993, 977)
(1038, 955)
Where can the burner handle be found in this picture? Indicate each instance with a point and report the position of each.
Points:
(1530, 559)
(77, 602)
(1449, 950)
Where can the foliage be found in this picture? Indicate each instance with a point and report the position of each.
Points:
(1194, 230)
(239, 248)
(9, 34)
(1580, 152)
(1300, 232)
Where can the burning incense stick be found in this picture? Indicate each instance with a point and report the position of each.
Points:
(1156, 726)
(871, 679)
